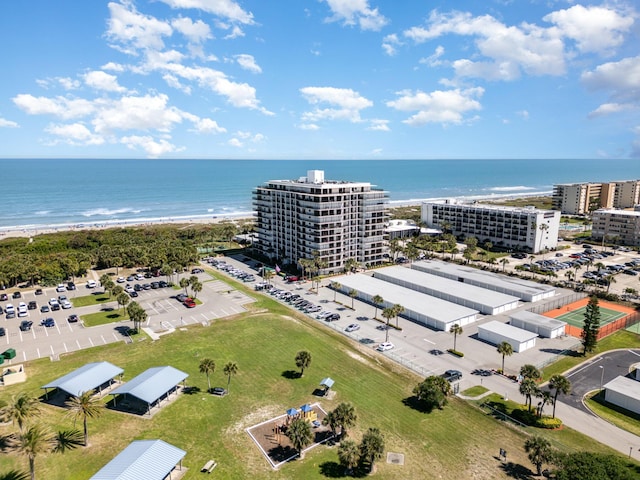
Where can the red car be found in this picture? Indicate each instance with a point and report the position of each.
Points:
(189, 302)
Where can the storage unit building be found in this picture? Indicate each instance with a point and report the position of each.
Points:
(486, 301)
(543, 326)
(496, 332)
(421, 308)
(523, 289)
(623, 392)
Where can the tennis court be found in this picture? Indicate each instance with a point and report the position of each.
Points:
(611, 315)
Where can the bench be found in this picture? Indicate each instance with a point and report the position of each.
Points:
(209, 466)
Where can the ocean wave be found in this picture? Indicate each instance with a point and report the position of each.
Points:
(43, 212)
(509, 189)
(105, 212)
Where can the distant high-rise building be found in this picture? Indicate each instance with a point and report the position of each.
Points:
(335, 220)
(616, 226)
(527, 229)
(584, 198)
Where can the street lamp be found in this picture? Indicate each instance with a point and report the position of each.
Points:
(601, 376)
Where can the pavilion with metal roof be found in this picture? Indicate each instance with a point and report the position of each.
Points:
(92, 376)
(148, 459)
(151, 386)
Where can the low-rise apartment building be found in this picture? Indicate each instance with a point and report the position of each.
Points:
(340, 220)
(526, 229)
(621, 227)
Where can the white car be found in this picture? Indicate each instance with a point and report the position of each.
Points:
(22, 310)
(53, 301)
(61, 288)
(91, 284)
(384, 346)
(66, 304)
(352, 328)
(120, 280)
(129, 289)
(322, 315)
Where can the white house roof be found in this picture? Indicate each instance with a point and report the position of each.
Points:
(536, 319)
(508, 331)
(142, 459)
(85, 378)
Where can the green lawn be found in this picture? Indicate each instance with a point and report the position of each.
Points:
(101, 318)
(455, 443)
(95, 298)
(620, 417)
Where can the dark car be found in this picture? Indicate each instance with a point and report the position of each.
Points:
(16, 295)
(436, 352)
(55, 307)
(4, 297)
(333, 317)
(133, 294)
(71, 286)
(44, 308)
(163, 284)
(146, 286)
(219, 391)
(155, 285)
(3, 332)
(197, 270)
(137, 287)
(181, 297)
(32, 305)
(25, 325)
(48, 322)
(73, 318)
(39, 291)
(452, 375)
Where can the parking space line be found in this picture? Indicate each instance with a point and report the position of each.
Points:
(78, 343)
(91, 342)
(65, 347)
(52, 351)
(103, 340)
(38, 350)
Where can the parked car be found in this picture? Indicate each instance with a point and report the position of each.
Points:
(332, 318)
(133, 294)
(71, 286)
(48, 322)
(39, 291)
(221, 392)
(4, 297)
(66, 304)
(44, 308)
(16, 295)
(189, 302)
(384, 346)
(25, 325)
(3, 332)
(61, 288)
(91, 284)
(120, 280)
(197, 270)
(73, 318)
(452, 375)
(352, 328)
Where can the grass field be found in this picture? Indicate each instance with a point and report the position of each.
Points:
(459, 442)
(576, 317)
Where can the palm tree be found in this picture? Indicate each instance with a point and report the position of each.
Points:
(21, 409)
(506, 350)
(335, 286)
(530, 371)
(377, 300)
(14, 475)
(299, 432)
(346, 417)
(184, 283)
(353, 293)
(348, 455)
(560, 384)
(388, 313)
(207, 366)
(137, 314)
(610, 279)
(196, 287)
(331, 421)
(539, 450)
(528, 388)
(397, 310)
(230, 369)
(86, 406)
(456, 330)
(504, 263)
(545, 397)
(267, 274)
(122, 300)
(372, 446)
(303, 360)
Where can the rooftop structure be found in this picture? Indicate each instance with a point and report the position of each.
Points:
(91, 376)
(523, 289)
(143, 459)
(339, 220)
(486, 301)
(527, 229)
(616, 226)
(420, 308)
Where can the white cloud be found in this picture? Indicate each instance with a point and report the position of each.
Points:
(206, 125)
(4, 123)
(376, 152)
(352, 12)
(138, 113)
(154, 148)
(103, 81)
(594, 28)
(133, 30)
(248, 63)
(444, 107)
(62, 107)
(621, 79)
(196, 32)
(112, 66)
(223, 8)
(379, 125)
(174, 82)
(234, 142)
(75, 134)
(236, 32)
(309, 126)
(390, 44)
(434, 59)
(524, 114)
(348, 103)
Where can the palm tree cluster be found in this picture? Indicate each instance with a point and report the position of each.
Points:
(34, 438)
(370, 449)
(193, 282)
(137, 314)
(208, 367)
(529, 388)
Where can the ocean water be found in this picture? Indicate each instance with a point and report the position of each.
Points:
(43, 193)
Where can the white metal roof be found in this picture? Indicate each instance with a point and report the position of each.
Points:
(410, 299)
(151, 384)
(489, 278)
(535, 319)
(86, 378)
(142, 459)
(448, 286)
(508, 331)
(625, 386)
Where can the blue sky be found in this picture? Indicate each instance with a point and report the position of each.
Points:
(320, 79)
